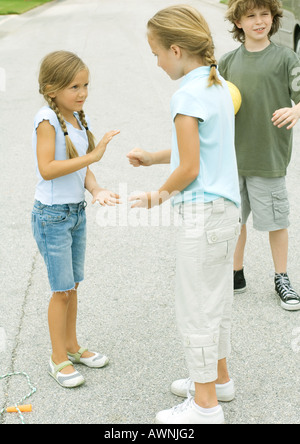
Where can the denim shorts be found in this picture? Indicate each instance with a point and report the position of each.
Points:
(60, 233)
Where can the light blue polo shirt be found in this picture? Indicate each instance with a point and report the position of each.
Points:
(213, 107)
(67, 189)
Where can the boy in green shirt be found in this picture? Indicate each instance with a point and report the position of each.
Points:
(268, 77)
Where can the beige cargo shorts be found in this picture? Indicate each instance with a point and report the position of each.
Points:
(267, 199)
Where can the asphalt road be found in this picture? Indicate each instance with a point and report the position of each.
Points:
(126, 307)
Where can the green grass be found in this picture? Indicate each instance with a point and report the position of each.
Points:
(19, 6)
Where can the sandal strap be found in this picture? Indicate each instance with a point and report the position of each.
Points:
(59, 367)
(77, 356)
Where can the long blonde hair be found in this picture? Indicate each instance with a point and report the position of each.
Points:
(58, 69)
(184, 26)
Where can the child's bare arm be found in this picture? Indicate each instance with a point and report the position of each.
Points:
(138, 157)
(185, 173)
(101, 195)
(50, 168)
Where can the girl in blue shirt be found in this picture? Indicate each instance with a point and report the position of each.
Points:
(205, 191)
(64, 148)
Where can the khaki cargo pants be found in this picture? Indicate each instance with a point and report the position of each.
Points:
(204, 283)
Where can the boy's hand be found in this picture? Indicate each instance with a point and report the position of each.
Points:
(286, 116)
(106, 197)
(138, 157)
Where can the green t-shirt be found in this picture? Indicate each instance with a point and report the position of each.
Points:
(268, 80)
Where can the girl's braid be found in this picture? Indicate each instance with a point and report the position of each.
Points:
(70, 148)
(91, 138)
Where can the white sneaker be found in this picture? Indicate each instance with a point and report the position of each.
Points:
(188, 413)
(225, 392)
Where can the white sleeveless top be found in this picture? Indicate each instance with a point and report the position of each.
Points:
(70, 188)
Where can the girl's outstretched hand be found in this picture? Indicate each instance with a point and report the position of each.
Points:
(101, 147)
(144, 200)
(138, 157)
(106, 197)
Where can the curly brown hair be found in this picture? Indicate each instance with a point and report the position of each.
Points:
(238, 8)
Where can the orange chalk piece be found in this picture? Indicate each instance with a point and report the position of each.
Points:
(22, 408)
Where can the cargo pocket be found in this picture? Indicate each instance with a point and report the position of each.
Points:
(201, 350)
(221, 243)
(281, 205)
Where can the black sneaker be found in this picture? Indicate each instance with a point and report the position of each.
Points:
(290, 300)
(240, 285)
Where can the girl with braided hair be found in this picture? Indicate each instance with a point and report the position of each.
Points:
(205, 190)
(64, 147)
